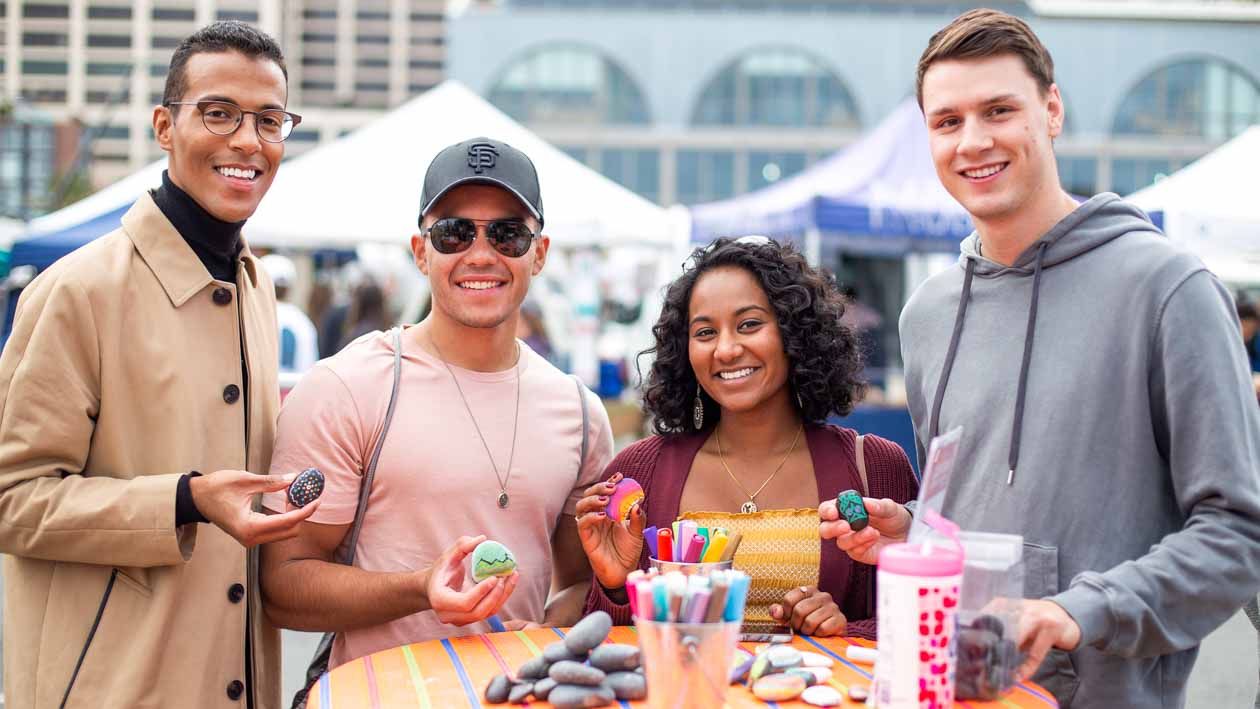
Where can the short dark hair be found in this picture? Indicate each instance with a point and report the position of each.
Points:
(1247, 311)
(981, 33)
(824, 355)
(215, 38)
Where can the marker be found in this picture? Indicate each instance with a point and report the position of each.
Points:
(649, 536)
(695, 545)
(687, 529)
(643, 593)
(717, 598)
(664, 545)
(736, 597)
(704, 532)
(698, 605)
(732, 544)
(495, 624)
(717, 544)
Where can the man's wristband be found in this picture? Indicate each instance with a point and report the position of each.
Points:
(186, 511)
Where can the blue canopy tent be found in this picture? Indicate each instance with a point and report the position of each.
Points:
(41, 250)
(879, 196)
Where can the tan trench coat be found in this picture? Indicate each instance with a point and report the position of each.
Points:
(117, 379)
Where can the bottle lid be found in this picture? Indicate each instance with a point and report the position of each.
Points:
(921, 560)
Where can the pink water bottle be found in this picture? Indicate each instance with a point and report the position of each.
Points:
(917, 608)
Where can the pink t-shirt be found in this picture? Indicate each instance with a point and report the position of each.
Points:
(434, 482)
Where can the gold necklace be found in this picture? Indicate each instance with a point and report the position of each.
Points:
(751, 505)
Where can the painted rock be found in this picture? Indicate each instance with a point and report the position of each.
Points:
(814, 659)
(535, 668)
(852, 509)
(498, 689)
(520, 692)
(805, 674)
(783, 658)
(778, 688)
(859, 693)
(308, 485)
(821, 696)
(557, 651)
(740, 667)
(822, 675)
(627, 686)
(569, 696)
(570, 672)
(543, 687)
(759, 668)
(588, 633)
(625, 495)
(615, 658)
(491, 558)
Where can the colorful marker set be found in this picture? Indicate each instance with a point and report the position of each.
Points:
(686, 543)
(677, 598)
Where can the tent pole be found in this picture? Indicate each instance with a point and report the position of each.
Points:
(813, 246)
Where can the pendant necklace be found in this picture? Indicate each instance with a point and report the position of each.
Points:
(751, 505)
(503, 498)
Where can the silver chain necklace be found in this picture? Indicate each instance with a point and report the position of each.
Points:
(503, 496)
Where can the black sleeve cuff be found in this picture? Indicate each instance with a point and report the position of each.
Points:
(620, 596)
(185, 509)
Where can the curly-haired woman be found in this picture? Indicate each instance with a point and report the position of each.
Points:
(751, 358)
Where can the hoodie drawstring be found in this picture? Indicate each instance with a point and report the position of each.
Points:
(934, 427)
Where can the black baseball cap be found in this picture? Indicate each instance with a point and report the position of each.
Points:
(482, 161)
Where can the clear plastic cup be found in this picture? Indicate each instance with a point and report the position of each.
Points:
(698, 568)
(687, 664)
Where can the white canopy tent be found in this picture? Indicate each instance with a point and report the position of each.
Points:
(1212, 206)
(365, 187)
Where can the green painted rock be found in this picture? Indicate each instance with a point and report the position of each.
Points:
(491, 558)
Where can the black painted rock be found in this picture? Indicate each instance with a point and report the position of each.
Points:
(535, 668)
(543, 687)
(588, 633)
(308, 485)
(569, 696)
(627, 686)
(570, 672)
(558, 651)
(615, 658)
(498, 689)
(520, 692)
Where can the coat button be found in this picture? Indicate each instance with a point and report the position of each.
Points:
(231, 393)
(236, 592)
(235, 689)
(222, 296)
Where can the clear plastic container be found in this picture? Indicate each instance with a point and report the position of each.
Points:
(989, 614)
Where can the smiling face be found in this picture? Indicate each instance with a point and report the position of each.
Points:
(990, 129)
(479, 287)
(226, 174)
(734, 342)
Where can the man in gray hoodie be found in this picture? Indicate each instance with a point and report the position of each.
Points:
(1107, 409)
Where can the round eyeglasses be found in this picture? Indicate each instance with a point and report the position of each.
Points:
(222, 118)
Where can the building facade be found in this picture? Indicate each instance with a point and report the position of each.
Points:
(697, 100)
(103, 63)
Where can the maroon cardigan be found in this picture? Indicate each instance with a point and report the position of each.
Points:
(661, 465)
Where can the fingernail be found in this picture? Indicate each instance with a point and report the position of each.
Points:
(603, 499)
(601, 513)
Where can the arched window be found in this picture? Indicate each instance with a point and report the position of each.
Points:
(776, 87)
(1199, 98)
(568, 84)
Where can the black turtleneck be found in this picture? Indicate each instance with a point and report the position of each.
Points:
(216, 242)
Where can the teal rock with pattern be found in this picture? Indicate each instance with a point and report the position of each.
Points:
(491, 558)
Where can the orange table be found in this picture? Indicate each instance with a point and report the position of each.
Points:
(451, 674)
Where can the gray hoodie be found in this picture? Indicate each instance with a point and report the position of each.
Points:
(1103, 375)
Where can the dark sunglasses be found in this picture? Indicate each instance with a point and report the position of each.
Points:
(453, 235)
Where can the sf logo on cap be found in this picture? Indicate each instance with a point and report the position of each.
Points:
(481, 156)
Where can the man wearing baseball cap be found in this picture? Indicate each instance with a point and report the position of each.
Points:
(487, 440)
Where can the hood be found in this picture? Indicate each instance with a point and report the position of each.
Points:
(1095, 222)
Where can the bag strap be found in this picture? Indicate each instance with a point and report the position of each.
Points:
(365, 488)
(586, 420)
(861, 465)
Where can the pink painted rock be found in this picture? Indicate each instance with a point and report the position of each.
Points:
(778, 688)
(625, 495)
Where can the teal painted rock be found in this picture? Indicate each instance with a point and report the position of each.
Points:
(491, 558)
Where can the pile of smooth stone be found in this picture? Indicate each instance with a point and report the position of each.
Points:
(579, 671)
(781, 673)
(987, 659)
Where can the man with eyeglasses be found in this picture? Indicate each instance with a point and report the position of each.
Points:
(487, 438)
(135, 362)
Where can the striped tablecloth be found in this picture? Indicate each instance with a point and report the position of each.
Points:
(452, 674)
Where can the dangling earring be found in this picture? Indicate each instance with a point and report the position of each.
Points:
(799, 404)
(697, 412)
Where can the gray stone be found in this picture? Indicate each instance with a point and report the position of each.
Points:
(543, 687)
(569, 696)
(558, 651)
(615, 658)
(588, 633)
(627, 686)
(823, 696)
(535, 668)
(520, 692)
(570, 672)
(783, 658)
(498, 689)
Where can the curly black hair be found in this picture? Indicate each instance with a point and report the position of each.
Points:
(824, 355)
